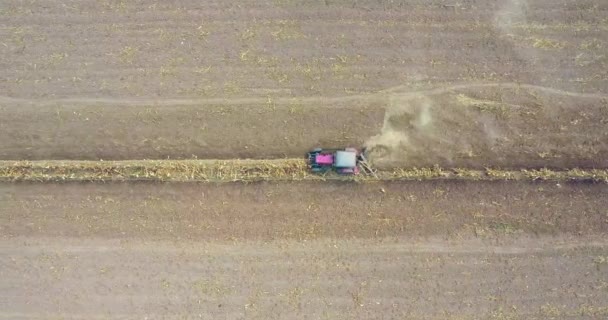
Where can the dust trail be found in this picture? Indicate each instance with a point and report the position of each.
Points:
(511, 14)
(401, 90)
(534, 126)
(504, 125)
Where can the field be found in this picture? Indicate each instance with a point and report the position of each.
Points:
(151, 159)
(305, 250)
(511, 84)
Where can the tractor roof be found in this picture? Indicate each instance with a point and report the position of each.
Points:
(345, 159)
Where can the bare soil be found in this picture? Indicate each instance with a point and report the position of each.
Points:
(536, 278)
(472, 126)
(501, 84)
(423, 250)
(68, 48)
(306, 210)
(512, 84)
(180, 132)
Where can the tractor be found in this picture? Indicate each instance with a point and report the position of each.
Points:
(346, 161)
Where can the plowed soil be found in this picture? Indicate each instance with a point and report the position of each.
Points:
(508, 83)
(215, 48)
(534, 278)
(423, 250)
(475, 84)
(306, 210)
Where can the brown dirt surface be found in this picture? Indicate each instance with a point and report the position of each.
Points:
(501, 84)
(301, 48)
(303, 210)
(206, 131)
(423, 250)
(103, 279)
(511, 84)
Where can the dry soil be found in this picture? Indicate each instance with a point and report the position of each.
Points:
(423, 250)
(486, 83)
(473, 84)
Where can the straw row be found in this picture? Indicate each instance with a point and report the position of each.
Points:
(255, 170)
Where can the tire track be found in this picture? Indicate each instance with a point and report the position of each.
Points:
(514, 245)
(399, 90)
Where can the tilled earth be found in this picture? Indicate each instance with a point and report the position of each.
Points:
(476, 84)
(123, 49)
(419, 250)
(302, 210)
(473, 84)
(525, 278)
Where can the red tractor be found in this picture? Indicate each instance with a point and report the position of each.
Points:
(343, 161)
(348, 161)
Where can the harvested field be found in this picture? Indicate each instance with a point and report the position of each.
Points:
(215, 48)
(303, 210)
(199, 130)
(534, 278)
(431, 250)
(151, 159)
(472, 126)
(259, 170)
(511, 84)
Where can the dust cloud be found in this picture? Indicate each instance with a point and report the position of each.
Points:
(491, 127)
(422, 130)
(510, 14)
(535, 125)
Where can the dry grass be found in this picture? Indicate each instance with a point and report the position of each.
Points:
(542, 43)
(163, 170)
(499, 109)
(256, 170)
